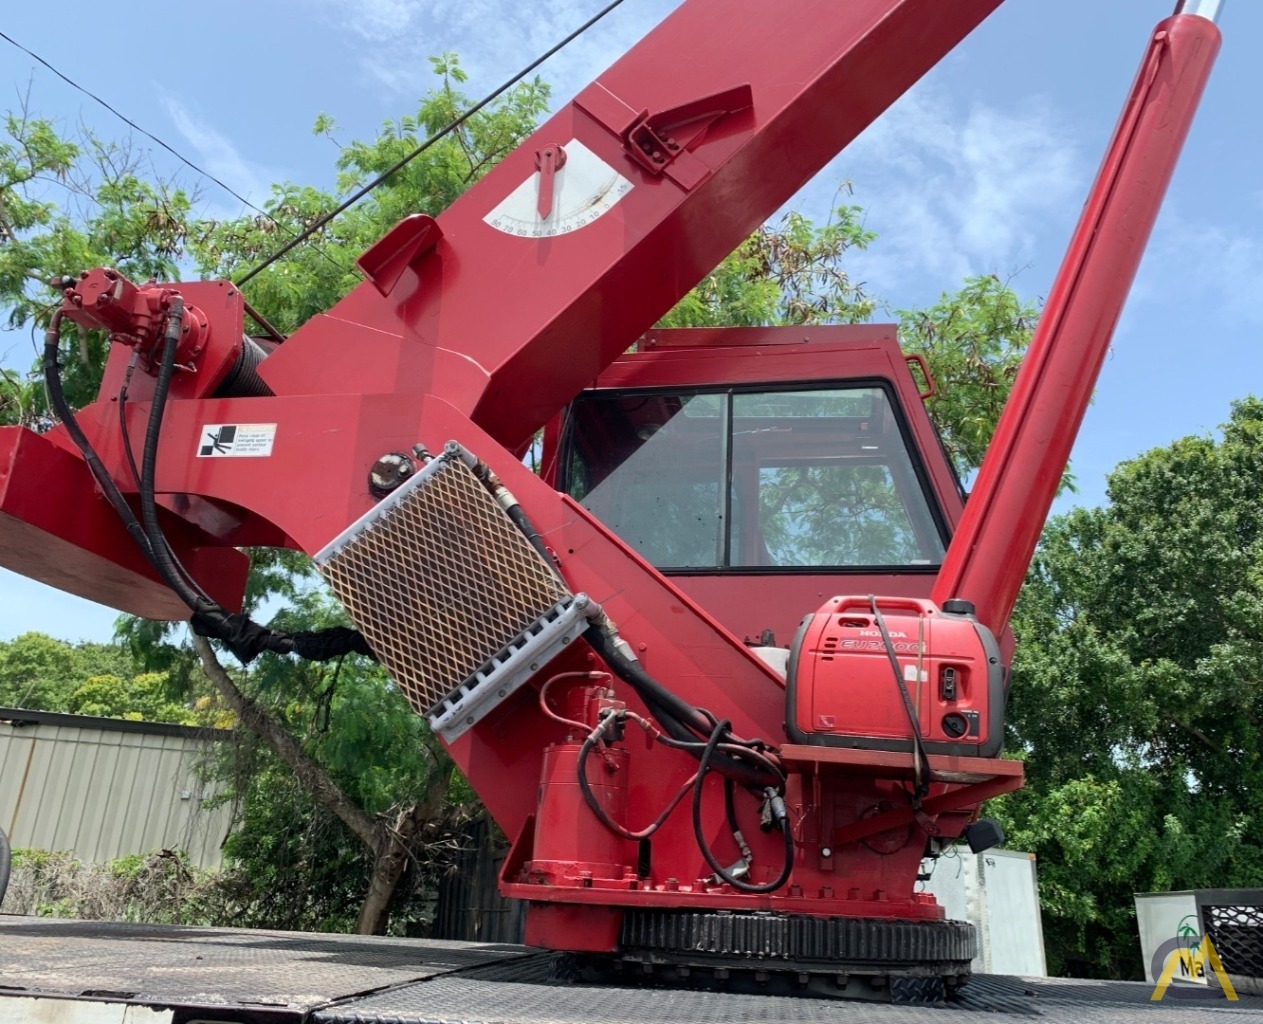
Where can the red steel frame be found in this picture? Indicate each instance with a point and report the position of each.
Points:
(466, 332)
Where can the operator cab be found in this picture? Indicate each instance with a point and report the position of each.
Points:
(756, 466)
(758, 478)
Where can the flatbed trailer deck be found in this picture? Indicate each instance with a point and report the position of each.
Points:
(74, 971)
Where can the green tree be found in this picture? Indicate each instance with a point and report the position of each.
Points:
(146, 697)
(1138, 694)
(317, 274)
(787, 273)
(41, 673)
(74, 204)
(973, 341)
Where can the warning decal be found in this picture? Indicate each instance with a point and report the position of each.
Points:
(236, 440)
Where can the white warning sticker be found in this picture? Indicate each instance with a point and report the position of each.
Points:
(910, 674)
(236, 440)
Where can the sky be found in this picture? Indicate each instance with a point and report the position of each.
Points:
(981, 168)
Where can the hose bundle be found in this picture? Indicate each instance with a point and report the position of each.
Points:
(244, 638)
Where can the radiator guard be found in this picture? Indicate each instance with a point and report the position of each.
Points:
(450, 595)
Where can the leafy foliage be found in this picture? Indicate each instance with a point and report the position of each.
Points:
(788, 273)
(1138, 694)
(316, 274)
(973, 342)
(43, 674)
(67, 205)
(162, 888)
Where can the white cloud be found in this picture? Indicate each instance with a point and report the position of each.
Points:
(954, 192)
(1214, 268)
(220, 157)
(493, 38)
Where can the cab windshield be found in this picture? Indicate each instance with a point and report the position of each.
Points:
(745, 479)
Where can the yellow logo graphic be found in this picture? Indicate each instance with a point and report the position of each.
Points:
(1194, 963)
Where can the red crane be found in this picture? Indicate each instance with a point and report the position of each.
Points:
(606, 649)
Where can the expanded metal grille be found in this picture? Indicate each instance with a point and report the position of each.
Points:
(439, 580)
(1237, 935)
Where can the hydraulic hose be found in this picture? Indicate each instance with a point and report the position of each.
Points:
(740, 760)
(595, 805)
(243, 637)
(160, 551)
(56, 395)
(699, 835)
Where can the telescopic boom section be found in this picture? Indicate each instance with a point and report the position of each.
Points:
(657, 170)
(993, 546)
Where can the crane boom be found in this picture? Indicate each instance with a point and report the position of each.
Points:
(758, 97)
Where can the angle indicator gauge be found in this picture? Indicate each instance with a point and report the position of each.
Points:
(570, 189)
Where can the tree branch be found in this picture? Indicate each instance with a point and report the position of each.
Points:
(313, 778)
(1195, 732)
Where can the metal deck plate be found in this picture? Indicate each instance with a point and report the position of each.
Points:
(339, 979)
(284, 972)
(473, 998)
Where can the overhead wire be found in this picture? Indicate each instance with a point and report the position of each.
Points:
(132, 124)
(244, 637)
(360, 193)
(322, 221)
(170, 149)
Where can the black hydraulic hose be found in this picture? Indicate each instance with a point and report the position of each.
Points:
(52, 381)
(244, 638)
(151, 543)
(699, 834)
(161, 555)
(595, 805)
(505, 499)
(56, 394)
(6, 864)
(125, 434)
(740, 751)
(680, 720)
(523, 523)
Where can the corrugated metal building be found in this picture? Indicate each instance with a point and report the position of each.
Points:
(103, 787)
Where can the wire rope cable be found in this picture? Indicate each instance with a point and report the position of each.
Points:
(438, 136)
